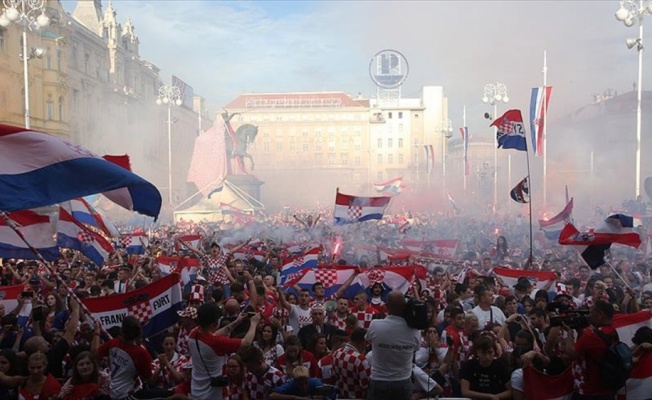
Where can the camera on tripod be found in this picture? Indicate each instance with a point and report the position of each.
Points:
(561, 314)
(416, 314)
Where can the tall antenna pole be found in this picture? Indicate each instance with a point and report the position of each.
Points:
(545, 127)
(464, 150)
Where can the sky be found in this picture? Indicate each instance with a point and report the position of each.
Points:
(224, 49)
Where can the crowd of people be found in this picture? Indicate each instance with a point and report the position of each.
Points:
(242, 334)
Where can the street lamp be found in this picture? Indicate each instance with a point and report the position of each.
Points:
(31, 15)
(446, 131)
(169, 95)
(494, 94)
(629, 12)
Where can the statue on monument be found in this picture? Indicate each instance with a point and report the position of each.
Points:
(236, 144)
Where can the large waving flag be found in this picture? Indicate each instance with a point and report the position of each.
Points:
(37, 230)
(539, 279)
(192, 239)
(627, 324)
(510, 131)
(552, 227)
(83, 212)
(351, 209)
(395, 278)
(331, 278)
(37, 169)
(72, 234)
(540, 386)
(465, 140)
(521, 192)
(593, 244)
(639, 384)
(135, 243)
(440, 249)
(391, 187)
(538, 110)
(293, 265)
(156, 306)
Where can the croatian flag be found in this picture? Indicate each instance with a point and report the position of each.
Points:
(521, 192)
(510, 131)
(135, 243)
(593, 244)
(72, 234)
(540, 386)
(351, 209)
(440, 249)
(10, 297)
(155, 305)
(331, 278)
(246, 254)
(538, 110)
(391, 187)
(189, 270)
(298, 263)
(166, 265)
(193, 240)
(552, 227)
(37, 169)
(465, 140)
(394, 278)
(627, 324)
(87, 215)
(539, 279)
(36, 229)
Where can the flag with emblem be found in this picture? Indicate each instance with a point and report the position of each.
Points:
(134, 243)
(166, 265)
(9, 299)
(521, 192)
(37, 169)
(510, 131)
(538, 109)
(72, 234)
(439, 249)
(298, 263)
(552, 227)
(351, 209)
(37, 230)
(192, 239)
(331, 278)
(156, 306)
(83, 212)
(394, 278)
(539, 279)
(391, 187)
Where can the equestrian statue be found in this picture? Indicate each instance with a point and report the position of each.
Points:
(236, 144)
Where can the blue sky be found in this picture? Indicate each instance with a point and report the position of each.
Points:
(223, 49)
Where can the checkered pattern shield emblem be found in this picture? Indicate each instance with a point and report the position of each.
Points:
(142, 311)
(354, 212)
(328, 277)
(375, 276)
(85, 237)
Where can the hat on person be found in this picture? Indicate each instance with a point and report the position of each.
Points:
(317, 307)
(196, 293)
(521, 287)
(562, 291)
(188, 312)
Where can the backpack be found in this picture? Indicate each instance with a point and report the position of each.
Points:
(617, 363)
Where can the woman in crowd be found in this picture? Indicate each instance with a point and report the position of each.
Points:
(10, 379)
(501, 250)
(268, 344)
(295, 356)
(235, 373)
(38, 385)
(319, 346)
(87, 381)
(56, 312)
(167, 369)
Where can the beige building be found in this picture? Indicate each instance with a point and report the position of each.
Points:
(311, 143)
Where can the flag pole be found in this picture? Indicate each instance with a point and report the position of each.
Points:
(545, 127)
(464, 149)
(45, 263)
(529, 188)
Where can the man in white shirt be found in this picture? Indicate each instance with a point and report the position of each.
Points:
(393, 344)
(487, 314)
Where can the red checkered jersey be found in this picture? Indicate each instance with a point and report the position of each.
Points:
(216, 268)
(214, 350)
(308, 360)
(128, 362)
(352, 372)
(260, 386)
(326, 368)
(337, 321)
(165, 379)
(365, 317)
(182, 342)
(234, 391)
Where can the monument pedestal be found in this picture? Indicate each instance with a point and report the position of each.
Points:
(248, 184)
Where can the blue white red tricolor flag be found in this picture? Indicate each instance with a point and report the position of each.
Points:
(539, 279)
(430, 157)
(391, 187)
(37, 169)
(192, 239)
(552, 227)
(453, 204)
(627, 324)
(83, 212)
(510, 131)
(298, 263)
(594, 243)
(521, 192)
(135, 243)
(37, 230)
(538, 111)
(465, 140)
(351, 209)
(331, 278)
(155, 305)
(9, 296)
(72, 234)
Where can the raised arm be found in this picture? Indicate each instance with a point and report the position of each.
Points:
(198, 252)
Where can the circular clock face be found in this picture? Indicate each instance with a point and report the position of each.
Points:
(388, 69)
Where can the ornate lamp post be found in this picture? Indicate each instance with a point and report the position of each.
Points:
(169, 95)
(494, 94)
(629, 13)
(31, 15)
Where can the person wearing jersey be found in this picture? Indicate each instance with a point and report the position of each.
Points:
(129, 361)
(210, 347)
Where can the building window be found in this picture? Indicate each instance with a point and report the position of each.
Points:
(400, 158)
(331, 145)
(390, 143)
(357, 160)
(389, 115)
(75, 99)
(49, 110)
(400, 115)
(279, 146)
(318, 145)
(400, 127)
(357, 132)
(292, 147)
(344, 145)
(344, 157)
(400, 143)
(48, 59)
(380, 158)
(331, 158)
(87, 63)
(379, 176)
(75, 56)
(266, 147)
(318, 133)
(357, 145)
(3, 40)
(390, 159)
(59, 60)
(317, 158)
(304, 133)
(416, 116)
(380, 143)
(305, 147)
(61, 108)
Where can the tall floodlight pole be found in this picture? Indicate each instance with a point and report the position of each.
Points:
(629, 13)
(30, 14)
(169, 95)
(494, 94)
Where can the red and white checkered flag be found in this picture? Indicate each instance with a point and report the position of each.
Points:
(142, 311)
